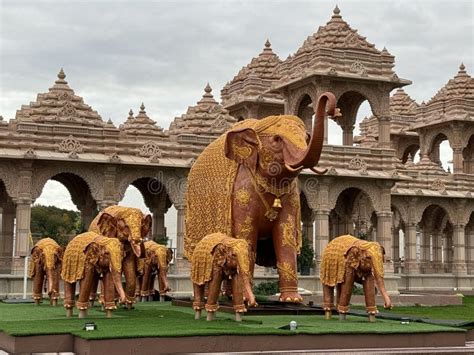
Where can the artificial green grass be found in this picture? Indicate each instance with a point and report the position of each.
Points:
(156, 319)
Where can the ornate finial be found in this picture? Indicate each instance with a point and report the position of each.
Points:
(207, 98)
(130, 114)
(142, 107)
(109, 121)
(268, 44)
(61, 74)
(208, 89)
(462, 68)
(336, 11)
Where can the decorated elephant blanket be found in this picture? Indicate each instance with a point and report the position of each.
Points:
(211, 181)
(74, 258)
(333, 262)
(202, 259)
(50, 248)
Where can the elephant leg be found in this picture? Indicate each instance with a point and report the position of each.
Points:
(38, 281)
(138, 287)
(198, 302)
(86, 286)
(238, 298)
(328, 300)
(346, 293)
(285, 252)
(151, 289)
(109, 294)
(129, 270)
(55, 292)
(69, 295)
(93, 295)
(369, 294)
(145, 282)
(214, 292)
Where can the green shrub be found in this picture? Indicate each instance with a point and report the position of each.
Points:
(266, 288)
(306, 257)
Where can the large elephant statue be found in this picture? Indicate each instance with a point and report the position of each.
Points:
(155, 263)
(130, 226)
(346, 260)
(243, 185)
(45, 265)
(88, 256)
(218, 257)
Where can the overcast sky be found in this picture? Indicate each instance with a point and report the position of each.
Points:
(117, 54)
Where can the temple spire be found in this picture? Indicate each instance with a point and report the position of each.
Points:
(207, 98)
(336, 13)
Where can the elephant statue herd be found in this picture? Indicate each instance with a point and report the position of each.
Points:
(242, 209)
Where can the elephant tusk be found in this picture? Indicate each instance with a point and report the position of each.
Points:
(318, 171)
(293, 170)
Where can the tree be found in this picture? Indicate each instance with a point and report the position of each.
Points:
(53, 222)
(305, 259)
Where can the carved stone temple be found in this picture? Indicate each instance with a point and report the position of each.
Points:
(376, 186)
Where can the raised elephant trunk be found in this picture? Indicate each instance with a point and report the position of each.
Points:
(381, 287)
(310, 158)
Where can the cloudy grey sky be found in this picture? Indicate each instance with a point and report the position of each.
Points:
(117, 54)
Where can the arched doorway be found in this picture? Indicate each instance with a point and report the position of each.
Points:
(354, 106)
(436, 240)
(353, 214)
(468, 157)
(441, 152)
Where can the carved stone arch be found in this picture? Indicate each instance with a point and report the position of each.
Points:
(405, 148)
(126, 177)
(466, 213)
(88, 174)
(430, 136)
(176, 184)
(424, 203)
(308, 186)
(298, 95)
(369, 94)
(467, 136)
(402, 209)
(8, 175)
(369, 188)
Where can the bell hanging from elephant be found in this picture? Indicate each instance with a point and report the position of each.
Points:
(45, 267)
(243, 185)
(345, 260)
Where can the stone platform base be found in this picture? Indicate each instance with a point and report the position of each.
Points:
(70, 343)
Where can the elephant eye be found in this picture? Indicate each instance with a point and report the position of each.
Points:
(277, 138)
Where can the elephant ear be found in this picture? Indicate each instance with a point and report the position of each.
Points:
(146, 226)
(353, 256)
(220, 255)
(92, 253)
(241, 145)
(107, 225)
(35, 254)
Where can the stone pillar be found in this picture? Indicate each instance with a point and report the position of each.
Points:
(88, 212)
(109, 193)
(181, 209)
(384, 130)
(411, 266)
(23, 209)
(457, 161)
(437, 263)
(322, 235)
(470, 250)
(158, 229)
(384, 237)
(396, 244)
(23, 218)
(459, 262)
(348, 135)
(8, 228)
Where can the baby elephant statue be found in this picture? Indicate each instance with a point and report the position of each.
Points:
(346, 260)
(217, 257)
(87, 257)
(156, 261)
(45, 265)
